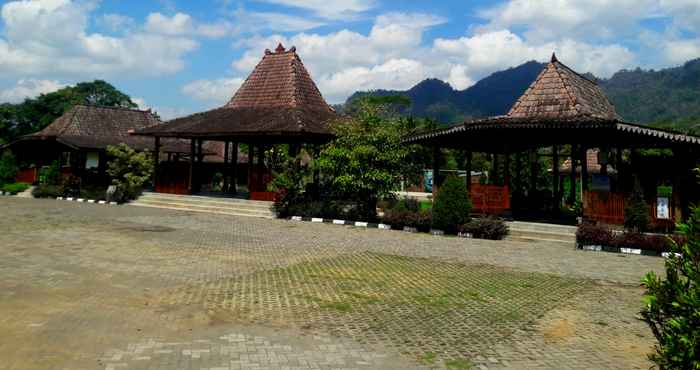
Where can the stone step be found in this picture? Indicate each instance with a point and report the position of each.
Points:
(231, 212)
(537, 226)
(240, 208)
(207, 199)
(568, 244)
(212, 203)
(566, 237)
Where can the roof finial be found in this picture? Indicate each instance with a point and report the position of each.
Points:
(280, 48)
(554, 57)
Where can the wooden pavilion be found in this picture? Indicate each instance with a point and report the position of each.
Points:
(563, 109)
(277, 104)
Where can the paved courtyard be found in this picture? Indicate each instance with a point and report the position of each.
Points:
(117, 287)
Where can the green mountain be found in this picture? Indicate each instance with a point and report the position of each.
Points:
(669, 97)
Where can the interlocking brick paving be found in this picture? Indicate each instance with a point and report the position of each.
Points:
(81, 284)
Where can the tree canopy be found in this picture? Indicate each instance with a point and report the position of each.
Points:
(33, 115)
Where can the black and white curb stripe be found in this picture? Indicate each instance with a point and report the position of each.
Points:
(91, 201)
(368, 225)
(604, 248)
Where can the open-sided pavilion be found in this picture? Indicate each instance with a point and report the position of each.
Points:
(277, 104)
(565, 109)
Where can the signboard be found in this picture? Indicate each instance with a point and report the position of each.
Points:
(428, 181)
(662, 209)
(600, 183)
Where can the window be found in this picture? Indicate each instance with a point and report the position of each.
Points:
(65, 159)
(92, 160)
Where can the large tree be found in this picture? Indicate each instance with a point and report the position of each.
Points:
(34, 114)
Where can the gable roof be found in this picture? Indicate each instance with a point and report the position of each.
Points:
(278, 102)
(279, 80)
(560, 92)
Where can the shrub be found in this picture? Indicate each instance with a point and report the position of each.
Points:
(71, 186)
(589, 234)
(672, 305)
(452, 206)
(93, 192)
(399, 218)
(47, 191)
(8, 167)
(50, 175)
(129, 170)
(15, 188)
(486, 228)
(637, 212)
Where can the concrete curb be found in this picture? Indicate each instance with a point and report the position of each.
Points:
(607, 249)
(368, 225)
(90, 201)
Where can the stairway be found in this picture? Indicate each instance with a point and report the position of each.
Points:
(206, 204)
(544, 233)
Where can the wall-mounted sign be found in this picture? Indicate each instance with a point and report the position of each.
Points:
(428, 181)
(663, 211)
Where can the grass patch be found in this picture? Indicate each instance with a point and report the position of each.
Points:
(428, 358)
(458, 364)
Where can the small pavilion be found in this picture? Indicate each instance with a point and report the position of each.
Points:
(563, 109)
(278, 103)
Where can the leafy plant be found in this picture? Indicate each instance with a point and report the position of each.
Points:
(637, 211)
(47, 191)
(672, 308)
(400, 217)
(8, 167)
(50, 175)
(129, 170)
(15, 188)
(452, 206)
(589, 234)
(367, 159)
(486, 228)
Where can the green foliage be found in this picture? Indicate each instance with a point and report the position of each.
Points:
(486, 228)
(47, 191)
(128, 169)
(8, 167)
(452, 206)
(367, 159)
(50, 175)
(672, 308)
(637, 217)
(15, 188)
(35, 114)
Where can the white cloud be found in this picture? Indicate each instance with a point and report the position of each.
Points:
(29, 88)
(50, 37)
(165, 113)
(330, 9)
(182, 24)
(680, 51)
(117, 23)
(214, 92)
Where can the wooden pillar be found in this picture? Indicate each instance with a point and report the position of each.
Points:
(261, 166)
(494, 170)
(233, 188)
(506, 168)
(584, 169)
(436, 170)
(251, 168)
(555, 178)
(572, 178)
(469, 171)
(226, 167)
(193, 149)
(532, 156)
(156, 162)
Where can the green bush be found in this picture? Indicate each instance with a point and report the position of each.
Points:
(129, 170)
(8, 167)
(15, 188)
(486, 228)
(637, 212)
(47, 191)
(672, 308)
(50, 175)
(452, 206)
(93, 192)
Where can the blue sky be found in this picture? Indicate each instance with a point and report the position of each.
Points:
(180, 57)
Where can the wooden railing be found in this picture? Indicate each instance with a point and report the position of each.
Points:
(28, 175)
(490, 199)
(609, 208)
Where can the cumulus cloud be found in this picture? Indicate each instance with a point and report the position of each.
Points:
(27, 89)
(50, 36)
(330, 9)
(213, 92)
(182, 24)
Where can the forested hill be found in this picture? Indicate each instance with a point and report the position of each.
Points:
(644, 96)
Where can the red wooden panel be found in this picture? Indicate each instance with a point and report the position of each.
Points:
(29, 175)
(173, 178)
(267, 196)
(490, 199)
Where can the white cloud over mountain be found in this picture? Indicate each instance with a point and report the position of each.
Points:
(29, 88)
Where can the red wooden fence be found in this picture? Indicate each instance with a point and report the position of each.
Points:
(490, 199)
(173, 178)
(609, 208)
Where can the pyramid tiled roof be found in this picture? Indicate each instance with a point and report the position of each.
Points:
(278, 101)
(560, 92)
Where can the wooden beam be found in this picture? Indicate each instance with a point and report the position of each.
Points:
(226, 166)
(251, 168)
(572, 175)
(534, 167)
(191, 187)
(555, 178)
(436, 170)
(584, 169)
(156, 161)
(468, 168)
(233, 188)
